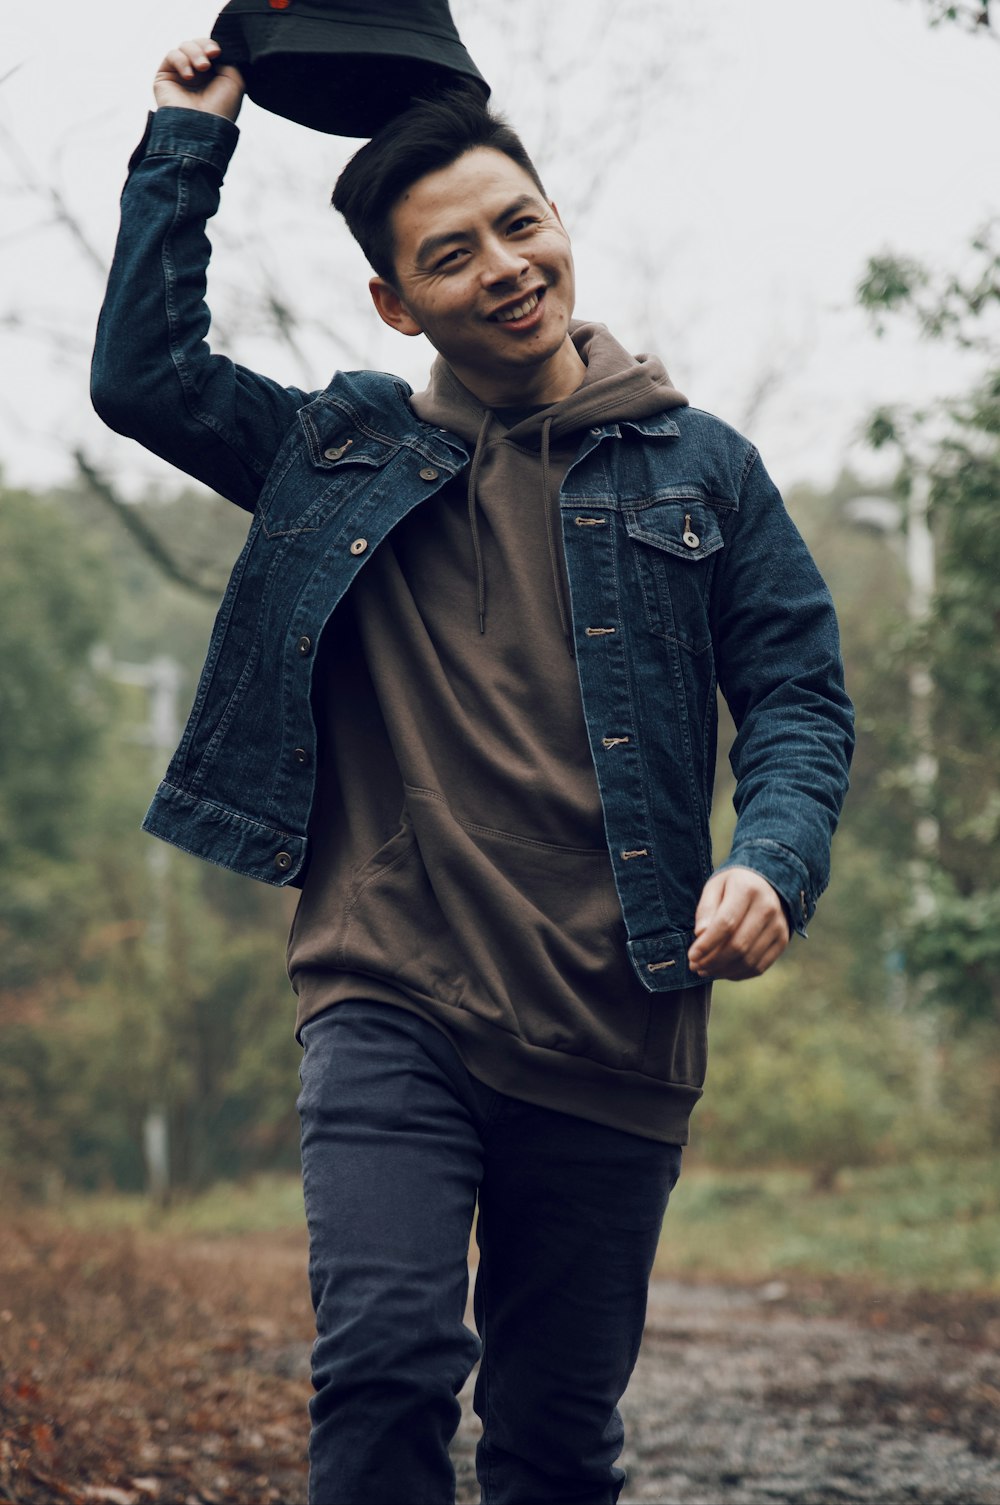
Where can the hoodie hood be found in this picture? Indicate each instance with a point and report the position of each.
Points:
(616, 386)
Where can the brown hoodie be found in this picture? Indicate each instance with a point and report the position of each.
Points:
(459, 865)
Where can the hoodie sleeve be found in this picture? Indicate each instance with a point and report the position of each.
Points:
(153, 376)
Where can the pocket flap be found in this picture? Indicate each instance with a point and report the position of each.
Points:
(333, 440)
(683, 526)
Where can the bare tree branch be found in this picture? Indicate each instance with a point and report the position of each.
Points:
(62, 214)
(973, 17)
(152, 546)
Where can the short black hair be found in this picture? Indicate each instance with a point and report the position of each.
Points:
(433, 133)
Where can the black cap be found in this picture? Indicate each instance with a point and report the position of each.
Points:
(343, 68)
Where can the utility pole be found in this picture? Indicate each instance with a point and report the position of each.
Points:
(161, 679)
(919, 543)
(908, 529)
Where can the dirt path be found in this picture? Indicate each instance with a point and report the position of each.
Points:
(748, 1397)
(745, 1401)
(138, 1370)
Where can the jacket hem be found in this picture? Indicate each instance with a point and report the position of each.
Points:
(225, 837)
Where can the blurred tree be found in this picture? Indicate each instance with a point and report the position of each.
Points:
(120, 986)
(957, 444)
(54, 606)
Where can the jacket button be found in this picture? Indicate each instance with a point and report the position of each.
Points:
(300, 755)
(304, 646)
(283, 861)
(691, 539)
(359, 546)
(429, 473)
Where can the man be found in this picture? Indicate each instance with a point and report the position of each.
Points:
(462, 690)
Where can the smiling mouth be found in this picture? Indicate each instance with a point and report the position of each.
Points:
(520, 310)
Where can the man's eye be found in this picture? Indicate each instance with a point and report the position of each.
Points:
(523, 222)
(449, 259)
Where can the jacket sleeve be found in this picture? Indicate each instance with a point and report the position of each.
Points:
(153, 376)
(781, 672)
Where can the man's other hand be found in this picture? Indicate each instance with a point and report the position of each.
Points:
(740, 926)
(189, 78)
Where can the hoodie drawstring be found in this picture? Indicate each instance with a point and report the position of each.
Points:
(477, 459)
(548, 505)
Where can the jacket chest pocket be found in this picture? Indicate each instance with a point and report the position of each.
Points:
(674, 545)
(324, 466)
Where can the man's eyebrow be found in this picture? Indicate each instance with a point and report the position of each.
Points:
(432, 244)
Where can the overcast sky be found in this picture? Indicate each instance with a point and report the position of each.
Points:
(780, 143)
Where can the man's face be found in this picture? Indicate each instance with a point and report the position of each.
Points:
(484, 268)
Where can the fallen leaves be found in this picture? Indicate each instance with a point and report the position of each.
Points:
(140, 1369)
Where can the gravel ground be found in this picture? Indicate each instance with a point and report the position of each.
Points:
(165, 1372)
(748, 1397)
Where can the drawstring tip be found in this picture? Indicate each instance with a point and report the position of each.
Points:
(482, 623)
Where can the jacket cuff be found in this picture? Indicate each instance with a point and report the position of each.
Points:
(786, 874)
(174, 132)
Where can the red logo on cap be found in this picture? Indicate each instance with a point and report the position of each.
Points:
(279, 4)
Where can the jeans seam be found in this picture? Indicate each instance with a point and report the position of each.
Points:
(484, 1362)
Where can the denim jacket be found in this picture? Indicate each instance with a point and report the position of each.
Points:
(685, 572)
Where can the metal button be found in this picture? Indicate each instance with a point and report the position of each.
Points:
(429, 473)
(337, 450)
(304, 646)
(300, 755)
(283, 861)
(359, 546)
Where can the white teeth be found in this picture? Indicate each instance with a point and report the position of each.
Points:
(522, 309)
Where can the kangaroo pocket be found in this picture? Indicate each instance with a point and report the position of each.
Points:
(537, 931)
(392, 924)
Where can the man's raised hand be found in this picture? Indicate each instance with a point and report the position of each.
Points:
(189, 78)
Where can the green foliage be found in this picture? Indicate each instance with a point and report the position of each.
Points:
(889, 282)
(126, 982)
(800, 1075)
(953, 945)
(267, 1203)
(933, 1224)
(54, 610)
(956, 307)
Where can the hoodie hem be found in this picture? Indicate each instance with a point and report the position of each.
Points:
(619, 1098)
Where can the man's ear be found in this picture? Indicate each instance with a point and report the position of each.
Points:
(391, 308)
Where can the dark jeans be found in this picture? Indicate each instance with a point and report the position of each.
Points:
(397, 1142)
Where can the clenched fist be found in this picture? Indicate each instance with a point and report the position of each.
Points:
(190, 78)
(740, 926)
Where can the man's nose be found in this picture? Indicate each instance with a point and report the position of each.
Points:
(503, 263)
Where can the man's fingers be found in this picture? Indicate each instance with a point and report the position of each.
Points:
(718, 920)
(191, 77)
(731, 949)
(740, 927)
(711, 896)
(744, 958)
(191, 58)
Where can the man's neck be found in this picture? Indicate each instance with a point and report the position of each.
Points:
(539, 387)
